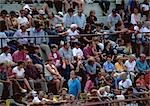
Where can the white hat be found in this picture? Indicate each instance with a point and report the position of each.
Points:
(41, 12)
(26, 7)
(58, 25)
(101, 46)
(61, 13)
(136, 28)
(73, 26)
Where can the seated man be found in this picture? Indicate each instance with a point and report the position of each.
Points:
(125, 83)
(108, 65)
(142, 64)
(41, 41)
(66, 52)
(34, 76)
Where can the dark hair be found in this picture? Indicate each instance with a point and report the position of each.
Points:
(5, 49)
(20, 63)
(12, 12)
(4, 12)
(2, 101)
(20, 47)
(37, 25)
(21, 11)
(118, 24)
(106, 43)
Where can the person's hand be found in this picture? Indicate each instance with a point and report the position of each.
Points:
(79, 62)
(43, 79)
(8, 82)
(63, 60)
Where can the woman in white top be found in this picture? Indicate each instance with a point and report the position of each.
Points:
(20, 75)
(55, 76)
(135, 17)
(5, 56)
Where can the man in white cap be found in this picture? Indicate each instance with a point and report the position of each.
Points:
(72, 33)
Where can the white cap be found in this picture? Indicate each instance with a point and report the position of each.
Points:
(61, 13)
(136, 28)
(73, 26)
(58, 25)
(26, 7)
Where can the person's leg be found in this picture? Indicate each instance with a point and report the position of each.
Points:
(32, 84)
(44, 85)
(10, 90)
(46, 49)
(58, 5)
(1, 89)
(101, 3)
(61, 83)
(107, 4)
(27, 84)
(57, 82)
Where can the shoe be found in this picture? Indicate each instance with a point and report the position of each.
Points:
(104, 14)
(33, 92)
(23, 90)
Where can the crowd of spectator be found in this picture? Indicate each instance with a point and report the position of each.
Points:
(111, 59)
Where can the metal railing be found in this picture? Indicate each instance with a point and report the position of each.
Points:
(60, 37)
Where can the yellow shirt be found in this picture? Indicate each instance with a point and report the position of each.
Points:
(119, 67)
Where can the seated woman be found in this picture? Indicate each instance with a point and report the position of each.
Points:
(119, 64)
(19, 74)
(55, 54)
(89, 84)
(11, 77)
(52, 74)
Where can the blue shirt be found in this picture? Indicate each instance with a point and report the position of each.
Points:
(68, 20)
(108, 66)
(142, 66)
(80, 20)
(91, 68)
(74, 86)
(41, 34)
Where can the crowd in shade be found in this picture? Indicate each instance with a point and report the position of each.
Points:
(83, 58)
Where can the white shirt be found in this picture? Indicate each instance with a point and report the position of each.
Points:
(23, 20)
(77, 52)
(133, 19)
(4, 41)
(4, 57)
(72, 34)
(19, 73)
(130, 66)
(126, 84)
(146, 7)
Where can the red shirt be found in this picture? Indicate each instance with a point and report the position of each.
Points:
(87, 51)
(147, 79)
(19, 56)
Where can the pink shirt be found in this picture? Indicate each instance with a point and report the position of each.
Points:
(55, 55)
(88, 86)
(19, 56)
